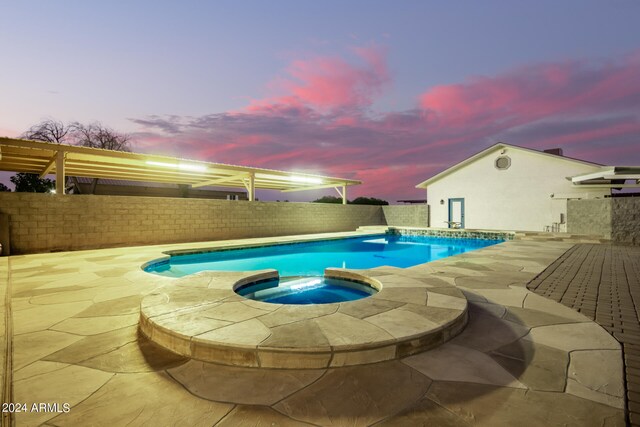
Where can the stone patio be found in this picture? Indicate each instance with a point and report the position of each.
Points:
(603, 283)
(522, 358)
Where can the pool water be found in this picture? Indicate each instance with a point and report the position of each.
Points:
(305, 290)
(311, 258)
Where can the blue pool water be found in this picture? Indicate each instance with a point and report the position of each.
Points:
(311, 258)
(305, 290)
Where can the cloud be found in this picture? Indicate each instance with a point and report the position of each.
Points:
(572, 89)
(319, 119)
(330, 83)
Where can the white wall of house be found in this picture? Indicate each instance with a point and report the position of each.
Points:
(518, 198)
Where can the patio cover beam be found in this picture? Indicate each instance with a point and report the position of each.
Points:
(608, 186)
(315, 187)
(49, 166)
(342, 194)
(220, 181)
(60, 175)
(250, 185)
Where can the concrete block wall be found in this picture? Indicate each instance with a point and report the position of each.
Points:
(589, 216)
(407, 215)
(617, 218)
(625, 220)
(46, 222)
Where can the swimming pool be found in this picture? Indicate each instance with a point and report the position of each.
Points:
(312, 258)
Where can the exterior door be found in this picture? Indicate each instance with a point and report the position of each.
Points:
(456, 213)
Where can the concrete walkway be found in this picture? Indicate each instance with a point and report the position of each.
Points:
(522, 359)
(603, 283)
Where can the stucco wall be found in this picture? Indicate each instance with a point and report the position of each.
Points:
(46, 222)
(616, 218)
(407, 215)
(589, 217)
(518, 198)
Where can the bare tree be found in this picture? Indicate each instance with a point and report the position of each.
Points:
(50, 131)
(96, 135)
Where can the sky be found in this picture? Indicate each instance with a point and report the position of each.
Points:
(386, 92)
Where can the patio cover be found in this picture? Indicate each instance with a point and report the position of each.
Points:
(609, 177)
(43, 158)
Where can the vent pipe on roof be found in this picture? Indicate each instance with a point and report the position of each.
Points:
(554, 151)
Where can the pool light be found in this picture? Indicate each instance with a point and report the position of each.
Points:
(307, 284)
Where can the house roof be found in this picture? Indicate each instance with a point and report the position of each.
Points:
(491, 149)
(18, 155)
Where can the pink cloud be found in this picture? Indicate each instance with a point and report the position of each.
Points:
(328, 83)
(530, 93)
(320, 121)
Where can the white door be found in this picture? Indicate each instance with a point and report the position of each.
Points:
(456, 213)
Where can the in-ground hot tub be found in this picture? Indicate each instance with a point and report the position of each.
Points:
(306, 290)
(200, 316)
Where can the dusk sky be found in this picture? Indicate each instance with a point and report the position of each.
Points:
(386, 92)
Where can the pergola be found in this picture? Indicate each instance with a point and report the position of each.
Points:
(43, 158)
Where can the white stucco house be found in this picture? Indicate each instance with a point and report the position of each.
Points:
(506, 187)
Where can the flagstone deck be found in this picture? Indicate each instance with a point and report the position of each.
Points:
(522, 358)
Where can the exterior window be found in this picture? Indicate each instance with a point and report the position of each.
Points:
(503, 162)
(233, 197)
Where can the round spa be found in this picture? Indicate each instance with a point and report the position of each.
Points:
(301, 290)
(261, 320)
